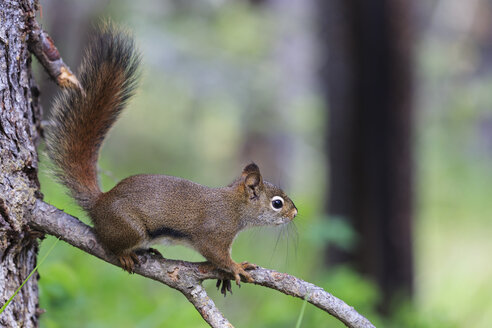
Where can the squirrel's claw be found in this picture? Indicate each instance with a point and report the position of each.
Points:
(237, 277)
(128, 261)
(247, 266)
(226, 286)
(239, 270)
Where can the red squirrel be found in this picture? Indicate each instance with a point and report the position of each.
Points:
(142, 210)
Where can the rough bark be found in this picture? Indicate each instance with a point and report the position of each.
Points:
(19, 187)
(367, 78)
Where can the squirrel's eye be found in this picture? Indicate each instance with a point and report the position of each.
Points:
(277, 203)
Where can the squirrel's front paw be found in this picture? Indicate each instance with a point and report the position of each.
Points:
(240, 270)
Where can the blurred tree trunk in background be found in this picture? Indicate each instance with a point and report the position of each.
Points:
(366, 76)
(292, 54)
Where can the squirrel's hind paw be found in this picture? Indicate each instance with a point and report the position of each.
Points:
(226, 286)
(128, 261)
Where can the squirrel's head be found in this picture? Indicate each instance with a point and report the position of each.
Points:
(266, 204)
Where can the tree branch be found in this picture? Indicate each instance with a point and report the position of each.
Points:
(43, 47)
(187, 277)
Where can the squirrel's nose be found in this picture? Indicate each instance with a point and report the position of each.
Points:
(294, 212)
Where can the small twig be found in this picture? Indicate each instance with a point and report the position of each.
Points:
(203, 303)
(186, 276)
(43, 47)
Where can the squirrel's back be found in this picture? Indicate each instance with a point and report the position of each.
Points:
(81, 118)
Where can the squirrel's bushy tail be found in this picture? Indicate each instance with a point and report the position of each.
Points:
(81, 119)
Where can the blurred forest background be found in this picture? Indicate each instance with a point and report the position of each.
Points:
(374, 116)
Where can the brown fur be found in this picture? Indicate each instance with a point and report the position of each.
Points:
(142, 209)
(81, 118)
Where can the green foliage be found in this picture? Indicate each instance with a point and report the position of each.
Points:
(332, 230)
(303, 309)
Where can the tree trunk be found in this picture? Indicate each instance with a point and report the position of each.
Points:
(367, 78)
(19, 187)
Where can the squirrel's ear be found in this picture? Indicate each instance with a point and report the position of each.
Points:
(253, 181)
(251, 168)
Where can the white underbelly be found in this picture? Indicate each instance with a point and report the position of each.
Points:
(169, 241)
